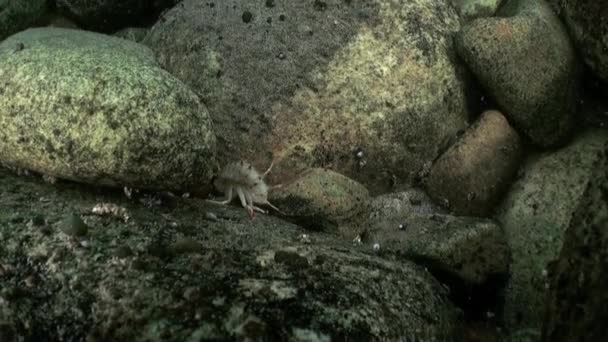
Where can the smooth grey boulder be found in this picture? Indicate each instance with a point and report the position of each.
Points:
(172, 273)
(371, 89)
(524, 59)
(535, 214)
(98, 109)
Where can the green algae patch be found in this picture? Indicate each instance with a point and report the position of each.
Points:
(98, 109)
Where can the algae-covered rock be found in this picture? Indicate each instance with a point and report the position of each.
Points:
(535, 214)
(17, 15)
(576, 299)
(249, 279)
(98, 109)
(321, 198)
(525, 61)
(316, 82)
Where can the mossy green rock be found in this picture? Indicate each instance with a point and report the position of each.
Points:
(313, 82)
(17, 15)
(321, 198)
(249, 280)
(524, 59)
(98, 109)
(535, 214)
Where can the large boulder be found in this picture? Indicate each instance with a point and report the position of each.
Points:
(186, 271)
(576, 302)
(370, 89)
(587, 22)
(93, 108)
(525, 61)
(17, 15)
(535, 214)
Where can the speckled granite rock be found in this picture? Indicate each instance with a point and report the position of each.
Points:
(315, 82)
(231, 278)
(535, 215)
(587, 22)
(17, 15)
(321, 199)
(576, 303)
(525, 60)
(98, 109)
(473, 174)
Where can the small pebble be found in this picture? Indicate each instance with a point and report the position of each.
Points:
(73, 225)
(210, 216)
(305, 238)
(185, 246)
(123, 251)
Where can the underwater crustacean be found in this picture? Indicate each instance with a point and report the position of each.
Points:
(242, 179)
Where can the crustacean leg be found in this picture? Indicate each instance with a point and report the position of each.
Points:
(228, 197)
(244, 203)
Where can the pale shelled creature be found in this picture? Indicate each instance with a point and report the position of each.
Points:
(242, 180)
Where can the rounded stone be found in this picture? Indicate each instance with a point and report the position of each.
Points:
(475, 172)
(73, 225)
(525, 61)
(98, 109)
(321, 197)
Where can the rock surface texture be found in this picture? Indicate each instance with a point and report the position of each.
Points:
(587, 22)
(577, 297)
(98, 109)
(110, 15)
(313, 83)
(177, 271)
(17, 15)
(535, 214)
